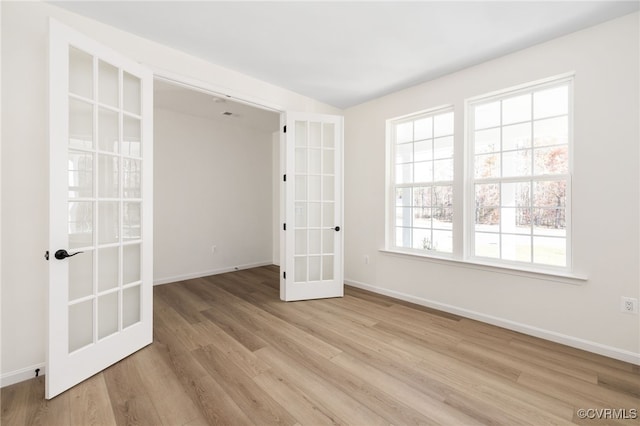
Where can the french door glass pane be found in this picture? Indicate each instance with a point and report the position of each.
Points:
(132, 177)
(315, 134)
(327, 267)
(131, 263)
(80, 174)
(131, 137)
(80, 124)
(81, 275)
(130, 306)
(107, 314)
(131, 217)
(80, 73)
(108, 92)
(132, 93)
(108, 267)
(80, 325)
(301, 269)
(80, 224)
(108, 222)
(314, 268)
(108, 130)
(108, 176)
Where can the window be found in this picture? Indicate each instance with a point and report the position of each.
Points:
(520, 180)
(422, 182)
(517, 185)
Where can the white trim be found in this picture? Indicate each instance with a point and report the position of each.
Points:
(213, 89)
(564, 339)
(503, 267)
(17, 376)
(192, 275)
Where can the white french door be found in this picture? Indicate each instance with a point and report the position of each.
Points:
(313, 235)
(100, 230)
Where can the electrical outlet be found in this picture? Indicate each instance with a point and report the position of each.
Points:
(629, 305)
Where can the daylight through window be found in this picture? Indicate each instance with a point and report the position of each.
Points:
(423, 182)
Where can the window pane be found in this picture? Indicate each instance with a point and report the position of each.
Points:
(516, 194)
(487, 115)
(403, 197)
(487, 141)
(443, 124)
(443, 196)
(550, 251)
(422, 151)
(443, 147)
(403, 237)
(550, 102)
(422, 239)
(516, 247)
(404, 173)
(487, 166)
(421, 217)
(553, 131)
(516, 163)
(487, 195)
(423, 128)
(517, 136)
(553, 160)
(404, 132)
(487, 219)
(442, 218)
(403, 216)
(487, 245)
(424, 171)
(515, 220)
(551, 193)
(550, 222)
(442, 241)
(404, 153)
(516, 109)
(80, 73)
(443, 170)
(422, 196)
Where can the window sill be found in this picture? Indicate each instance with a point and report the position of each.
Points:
(545, 275)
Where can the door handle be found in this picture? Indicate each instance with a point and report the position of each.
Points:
(337, 228)
(62, 254)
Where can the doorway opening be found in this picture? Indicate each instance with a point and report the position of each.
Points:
(216, 180)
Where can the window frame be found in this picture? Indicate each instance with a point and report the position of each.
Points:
(391, 185)
(469, 180)
(463, 225)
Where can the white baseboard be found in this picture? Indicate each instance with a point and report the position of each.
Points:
(192, 275)
(575, 342)
(21, 375)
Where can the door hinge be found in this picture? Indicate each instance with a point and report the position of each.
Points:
(284, 275)
(284, 226)
(284, 129)
(284, 178)
(46, 255)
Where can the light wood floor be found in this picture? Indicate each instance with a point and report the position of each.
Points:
(227, 351)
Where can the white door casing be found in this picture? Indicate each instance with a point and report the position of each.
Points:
(312, 267)
(101, 189)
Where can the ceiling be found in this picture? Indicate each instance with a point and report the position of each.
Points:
(187, 101)
(345, 53)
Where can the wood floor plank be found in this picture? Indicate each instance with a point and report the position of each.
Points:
(254, 402)
(130, 405)
(91, 404)
(227, 351)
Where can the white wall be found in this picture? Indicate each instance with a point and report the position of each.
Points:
(25, 158)
(212, 186)
(605, 196)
